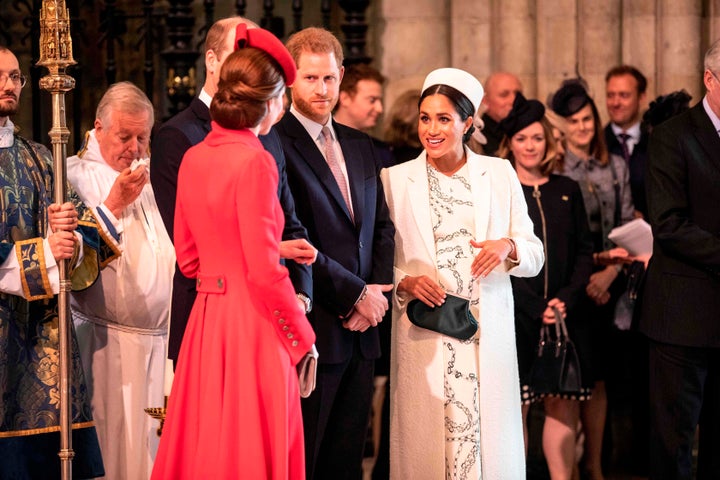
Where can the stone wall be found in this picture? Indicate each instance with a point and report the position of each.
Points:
(545, 41)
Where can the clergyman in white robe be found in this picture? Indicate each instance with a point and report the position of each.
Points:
(122, 320)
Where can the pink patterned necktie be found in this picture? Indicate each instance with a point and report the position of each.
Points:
(331, 159)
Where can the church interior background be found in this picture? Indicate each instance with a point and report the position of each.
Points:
(156, 44)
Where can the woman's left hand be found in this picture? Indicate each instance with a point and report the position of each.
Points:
(492, 253)
(299, 250)
(549, 314)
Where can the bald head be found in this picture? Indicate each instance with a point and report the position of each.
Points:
(219, 43)
(500, 90)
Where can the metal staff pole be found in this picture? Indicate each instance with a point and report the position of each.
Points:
(56, 56)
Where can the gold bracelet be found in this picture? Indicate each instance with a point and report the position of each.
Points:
(512, 245)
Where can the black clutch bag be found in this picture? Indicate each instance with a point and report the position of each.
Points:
(453, 318)
(556, 368)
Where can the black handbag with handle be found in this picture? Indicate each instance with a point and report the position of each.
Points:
(453, 318)
(556, 368)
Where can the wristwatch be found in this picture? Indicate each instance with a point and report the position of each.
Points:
(306, 300)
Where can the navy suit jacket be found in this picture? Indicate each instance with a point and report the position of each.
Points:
(681, 294)
(638, 160)
(351, 255)
(169, 144)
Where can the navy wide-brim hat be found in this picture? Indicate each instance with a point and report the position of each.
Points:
(267, 42)
(570, 99)
(524, 112)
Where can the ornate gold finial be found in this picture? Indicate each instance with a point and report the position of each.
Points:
(56, 56)
(55, 42)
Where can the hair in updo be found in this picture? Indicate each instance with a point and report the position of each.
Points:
(248, 79)
(463, 105)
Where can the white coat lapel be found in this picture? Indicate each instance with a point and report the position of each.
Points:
(481, 190)
(418, 194)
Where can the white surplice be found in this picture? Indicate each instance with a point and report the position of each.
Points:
(122, 320)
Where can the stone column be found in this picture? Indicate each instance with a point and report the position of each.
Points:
(556, 44)
(513, 25)
(638, 40)
(679, 43)
(599, 43)
(413, 40)
(713, 22)
(471, 37)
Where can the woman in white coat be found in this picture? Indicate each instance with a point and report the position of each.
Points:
(461, 228)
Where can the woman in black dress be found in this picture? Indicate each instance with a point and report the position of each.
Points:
(556, 207)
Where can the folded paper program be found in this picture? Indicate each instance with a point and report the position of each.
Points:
(635, 237)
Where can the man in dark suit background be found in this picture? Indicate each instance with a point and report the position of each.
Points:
(627, 379)
(625, 88)
(189, 128)
(681, 298)
(333, 175)
(360, 105)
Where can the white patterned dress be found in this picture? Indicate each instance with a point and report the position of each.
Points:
(452, 218)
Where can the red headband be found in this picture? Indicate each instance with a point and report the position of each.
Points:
(267, 42)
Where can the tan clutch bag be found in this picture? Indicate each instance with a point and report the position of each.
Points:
(307, 371)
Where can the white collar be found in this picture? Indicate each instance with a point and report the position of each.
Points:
(633, 131)
(311, 126)
(90, 151)
(713, 116)
(205, 97)
(7, 134)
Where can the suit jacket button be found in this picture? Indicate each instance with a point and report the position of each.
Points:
(220, 283)
(276, 313)
(290, 335)
(286, 328)
(295, 343)
(361, 245)
(199, 282)
(281, 321)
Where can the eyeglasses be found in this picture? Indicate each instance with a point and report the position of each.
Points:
(18, 79)
(716, 77)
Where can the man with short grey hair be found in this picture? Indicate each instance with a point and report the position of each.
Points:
(122, 319)
(681, 297)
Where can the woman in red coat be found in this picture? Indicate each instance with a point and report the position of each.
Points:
(234, 410)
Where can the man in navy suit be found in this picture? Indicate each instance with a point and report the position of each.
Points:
(625, 88)
(627, 381)
(333, 174)
(189, 128)
(681, 297)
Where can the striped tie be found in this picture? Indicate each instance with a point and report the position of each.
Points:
(624, 137)
(331, 159)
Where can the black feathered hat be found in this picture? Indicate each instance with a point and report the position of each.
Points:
(524, 112)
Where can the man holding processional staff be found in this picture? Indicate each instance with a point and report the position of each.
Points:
(45, 248)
